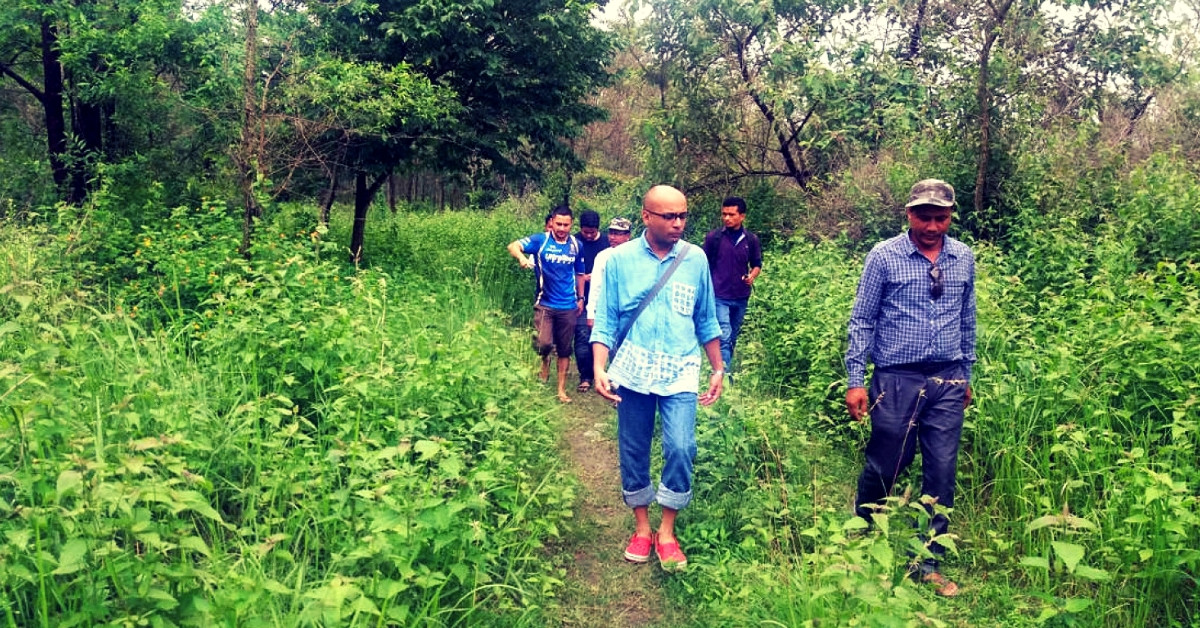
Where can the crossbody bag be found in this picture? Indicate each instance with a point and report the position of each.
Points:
(662, 281)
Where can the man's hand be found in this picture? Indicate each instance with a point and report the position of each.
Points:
(967, 399)
(856, 403)
(716, 382)
(527, 262)
(605, 387)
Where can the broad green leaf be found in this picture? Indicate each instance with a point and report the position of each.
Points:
(193, 500)
(275, 586)
(1092, 573)
(1069, 553)
(882, 553)
(1036, 561)
(855, 523)
(427, 449)
(69, 481)
(18, 538)
(73, 557)
(196, 544)
(1076, 604)
(1042, 522)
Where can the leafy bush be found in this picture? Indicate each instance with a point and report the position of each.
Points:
(305, 445)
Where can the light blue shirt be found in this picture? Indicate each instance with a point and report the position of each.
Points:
(662, 353)
(895, 321)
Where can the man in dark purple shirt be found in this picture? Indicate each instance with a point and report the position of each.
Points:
(735, 260)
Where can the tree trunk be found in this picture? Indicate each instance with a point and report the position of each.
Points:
(86, 122)
(327, 206)
(914, 36)
(391, 193)
(52, 105)
(247, 158)
(364, 193)
(984, 98)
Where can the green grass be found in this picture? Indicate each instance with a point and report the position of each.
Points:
(190, 438)
(290, 443)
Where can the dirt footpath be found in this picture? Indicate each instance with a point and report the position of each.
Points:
(603, 590)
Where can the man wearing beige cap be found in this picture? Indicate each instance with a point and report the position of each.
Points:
(914, 319)
(618, 234)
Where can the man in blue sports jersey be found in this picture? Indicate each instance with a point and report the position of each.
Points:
(556, 255)
(914, 318)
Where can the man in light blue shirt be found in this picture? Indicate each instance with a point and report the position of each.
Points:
(914, 317)
(656, 366)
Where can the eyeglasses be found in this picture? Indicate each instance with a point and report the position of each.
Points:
(671, 216)
(935, 285)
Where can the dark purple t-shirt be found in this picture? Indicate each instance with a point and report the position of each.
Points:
(731, 255)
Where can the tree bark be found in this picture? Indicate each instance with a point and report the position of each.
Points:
(391, 194)
(364, 193)
(246, 158)
(327, 206)
(984, 98)
(914, 37)
(795, 171)
(52, 105)
(86, 122)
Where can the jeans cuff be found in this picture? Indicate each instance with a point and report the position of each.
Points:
(670, 499)
(639, 498)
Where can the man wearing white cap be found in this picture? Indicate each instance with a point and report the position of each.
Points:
(618, 234)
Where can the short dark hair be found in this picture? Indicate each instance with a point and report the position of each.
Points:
(735, 201)
(561, 210)
(589, 218)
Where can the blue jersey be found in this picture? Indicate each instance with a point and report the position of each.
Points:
(557, 264)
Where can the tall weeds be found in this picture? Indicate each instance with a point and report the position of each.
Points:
(274, 442)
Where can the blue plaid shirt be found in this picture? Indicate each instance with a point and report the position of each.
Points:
(895, 320)
(662, 353)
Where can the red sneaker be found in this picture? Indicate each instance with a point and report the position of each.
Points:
(638, 550)
(670, 557)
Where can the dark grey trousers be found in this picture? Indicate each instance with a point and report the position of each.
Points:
(911, 405)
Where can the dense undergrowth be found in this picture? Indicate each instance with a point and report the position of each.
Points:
(1078, 478)
(190, 438)
(276, 442)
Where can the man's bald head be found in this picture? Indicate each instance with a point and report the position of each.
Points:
(664, 210)
(663, 196)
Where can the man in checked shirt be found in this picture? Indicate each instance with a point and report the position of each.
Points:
(914, 318)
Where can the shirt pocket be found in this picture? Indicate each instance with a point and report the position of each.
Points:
(683, 298)
(955, 283)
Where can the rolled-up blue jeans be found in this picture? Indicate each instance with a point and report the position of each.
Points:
(730, 314)
(910, 405)
(635, 430)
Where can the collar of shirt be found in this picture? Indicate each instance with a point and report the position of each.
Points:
(672, 253)
(910, 247)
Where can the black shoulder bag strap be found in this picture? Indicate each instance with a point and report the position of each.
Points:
(662, 281)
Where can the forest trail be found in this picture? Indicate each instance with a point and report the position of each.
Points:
(603, 590)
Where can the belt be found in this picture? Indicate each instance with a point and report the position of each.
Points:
(918, 368)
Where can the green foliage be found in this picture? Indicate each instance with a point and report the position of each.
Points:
(1078, 472)
(286, 445)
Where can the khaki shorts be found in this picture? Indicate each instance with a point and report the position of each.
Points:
(555, 330)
